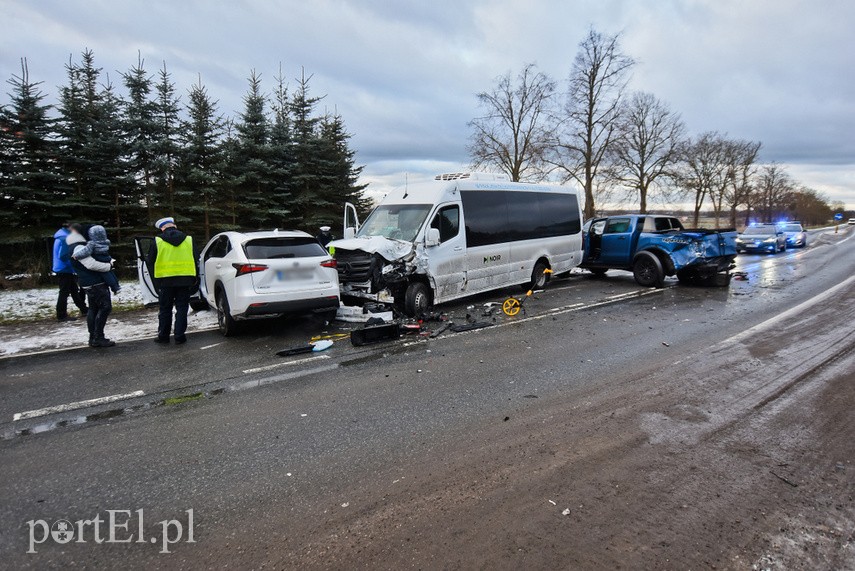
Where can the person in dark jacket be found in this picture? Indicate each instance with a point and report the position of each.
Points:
(66, 277)
(324, 236)
(91, 271)
(173, 267)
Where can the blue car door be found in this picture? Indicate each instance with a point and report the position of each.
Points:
(617, 242)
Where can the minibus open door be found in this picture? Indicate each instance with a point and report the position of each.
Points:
(351, 221)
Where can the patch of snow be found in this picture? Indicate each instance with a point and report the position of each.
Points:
(29, 335)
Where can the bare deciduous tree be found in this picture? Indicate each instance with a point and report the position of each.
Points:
(741, 191)
(597, 82)
(774, 186)
(647, 145)
(517, 128)
(703, 168)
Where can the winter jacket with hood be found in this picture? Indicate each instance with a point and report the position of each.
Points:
(97, 245)
(175, 237)
(90, 271)
(61, 254)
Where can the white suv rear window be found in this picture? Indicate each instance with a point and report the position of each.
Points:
(276, 248)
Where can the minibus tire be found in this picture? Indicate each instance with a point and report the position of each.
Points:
(416, 299)
(536, 275)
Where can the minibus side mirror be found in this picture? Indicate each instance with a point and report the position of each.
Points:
(432, 238)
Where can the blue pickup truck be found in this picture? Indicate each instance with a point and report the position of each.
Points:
(653, 247)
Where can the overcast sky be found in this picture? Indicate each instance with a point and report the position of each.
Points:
(404, 74)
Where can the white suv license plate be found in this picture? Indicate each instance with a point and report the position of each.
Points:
(295, 275)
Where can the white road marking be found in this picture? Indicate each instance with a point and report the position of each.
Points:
(74, 405)
(211, 346)
(285, 364)
(776, 320)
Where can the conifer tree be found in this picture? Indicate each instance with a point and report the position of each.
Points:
(166, 146)
(198, 199)
(29, 174)
(80, 108)
(281, 158)
(340, 173)
(305, 177)
(142, 134)
(254, 178)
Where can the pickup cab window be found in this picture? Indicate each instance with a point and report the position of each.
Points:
(617, 226)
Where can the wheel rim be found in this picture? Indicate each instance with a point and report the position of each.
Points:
(647, 271)
(221, 314)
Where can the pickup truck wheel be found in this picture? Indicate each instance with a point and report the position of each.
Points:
(416, 299)
(226, 323)
(648, 271)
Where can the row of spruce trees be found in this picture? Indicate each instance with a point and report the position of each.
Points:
(128, 158)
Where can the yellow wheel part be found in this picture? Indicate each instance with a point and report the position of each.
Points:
(511, 306)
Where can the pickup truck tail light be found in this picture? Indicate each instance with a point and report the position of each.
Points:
(243, 269)
(329, 264)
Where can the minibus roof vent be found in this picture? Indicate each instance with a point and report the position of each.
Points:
(472, 176)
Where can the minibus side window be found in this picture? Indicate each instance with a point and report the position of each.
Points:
(447, 221)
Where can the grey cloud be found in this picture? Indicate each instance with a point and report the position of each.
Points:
(404, 74)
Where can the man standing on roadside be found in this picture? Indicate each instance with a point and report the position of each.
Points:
(174, 270)
(66, 277)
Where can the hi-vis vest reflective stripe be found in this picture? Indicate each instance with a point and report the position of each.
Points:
(173, 261)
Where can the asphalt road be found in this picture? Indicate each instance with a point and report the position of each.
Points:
(675, 428)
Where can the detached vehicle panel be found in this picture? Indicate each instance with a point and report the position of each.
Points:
(653, 247)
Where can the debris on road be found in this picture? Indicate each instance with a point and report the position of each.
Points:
(315, 347)
(566, 511)
(666, 344)
(470, 326)
(442, 329)
(553, 503)
(375, 334)
(356, 314)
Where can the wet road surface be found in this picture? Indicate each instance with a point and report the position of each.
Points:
(668, 422)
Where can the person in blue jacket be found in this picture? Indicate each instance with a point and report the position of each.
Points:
(66, 277)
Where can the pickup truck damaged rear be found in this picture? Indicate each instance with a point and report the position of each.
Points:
(653, 247)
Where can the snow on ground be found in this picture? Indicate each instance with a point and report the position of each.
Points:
(30, 324)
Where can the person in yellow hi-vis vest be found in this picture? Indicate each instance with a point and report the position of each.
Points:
(173, 267)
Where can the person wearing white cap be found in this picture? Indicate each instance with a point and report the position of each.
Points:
(324, 237)
(173, 266)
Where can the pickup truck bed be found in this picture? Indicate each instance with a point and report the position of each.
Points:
(653, 247)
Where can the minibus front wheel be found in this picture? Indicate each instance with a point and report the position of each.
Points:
(416, 299)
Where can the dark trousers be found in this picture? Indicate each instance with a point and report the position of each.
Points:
(68, 287)
(169, 297)
(100, 306)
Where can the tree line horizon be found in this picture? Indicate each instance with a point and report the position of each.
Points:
(616, 143)
(126, 154)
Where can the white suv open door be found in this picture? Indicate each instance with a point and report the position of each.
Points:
(351, 221)
(147, 289)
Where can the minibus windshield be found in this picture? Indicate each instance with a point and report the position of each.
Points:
(395, 221)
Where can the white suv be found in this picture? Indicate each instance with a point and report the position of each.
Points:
(257, 274)
(253, 274)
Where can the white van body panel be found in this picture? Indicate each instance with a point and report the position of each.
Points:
(454, 268)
